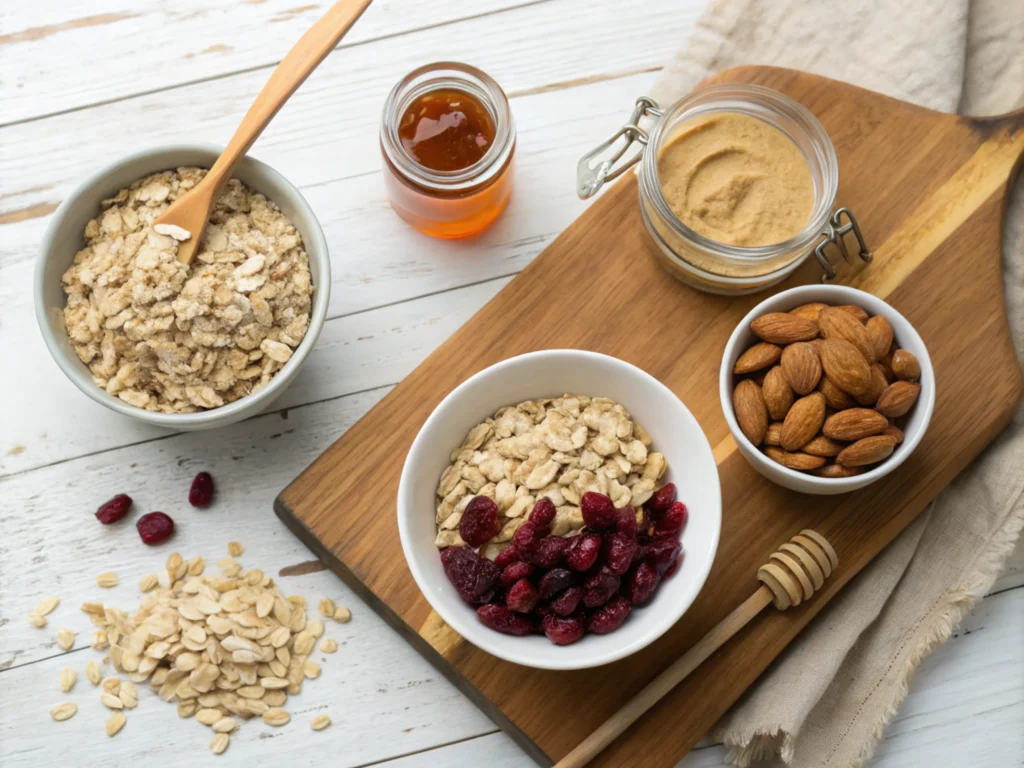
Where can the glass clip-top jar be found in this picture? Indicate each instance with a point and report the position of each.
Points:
(695, 258)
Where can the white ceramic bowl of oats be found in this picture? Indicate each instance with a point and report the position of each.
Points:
(66, 236)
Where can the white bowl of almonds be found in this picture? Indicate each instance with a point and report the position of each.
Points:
(185, 347)
(826, 388)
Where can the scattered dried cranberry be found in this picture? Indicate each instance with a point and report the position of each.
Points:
(663, 552)
(640, 552)
(583, 551)
(501, 619)
(479, 523)
(563, 630)
(472, 576)
(566, 602)
(550, 551)
(662, 499)
(154, 528)
(598, 511)
(600, 586)
(543, 515)
(201, 492)
(618, 552)
(507, 556)
(554, 581)
(514, 572)
(625, 522)
(522, 597)
(115, 509)
(673, 568)
(672, 521)
(526, 540)
(643, 583)
(610, 617)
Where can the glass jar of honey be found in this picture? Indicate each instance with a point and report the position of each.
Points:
(447, 142)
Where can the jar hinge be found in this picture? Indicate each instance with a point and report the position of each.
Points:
(592, 172)
(837, 230)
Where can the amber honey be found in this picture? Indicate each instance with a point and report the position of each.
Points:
(447, 142)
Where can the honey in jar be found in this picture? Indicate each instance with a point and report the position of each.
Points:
(447, 143)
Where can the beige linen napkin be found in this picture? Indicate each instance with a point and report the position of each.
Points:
(826, 700)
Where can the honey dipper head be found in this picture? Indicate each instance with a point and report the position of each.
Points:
(798, 569)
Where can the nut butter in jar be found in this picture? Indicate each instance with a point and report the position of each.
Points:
(737, 186)
(447, 143)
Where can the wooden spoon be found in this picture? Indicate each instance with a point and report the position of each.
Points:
(191, 211)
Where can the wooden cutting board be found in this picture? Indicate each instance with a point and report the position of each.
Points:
(929, 191)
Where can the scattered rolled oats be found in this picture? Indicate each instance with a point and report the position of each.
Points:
(67, 679)
(276, 716)
(342, 615)
(112, 685)
(315, 627)
(275, 698)
(328, 645)
(179, 338)
(64, 711)
(36, 620)
(92, 671)
(115, 723)
(235, 549)
(107, 580)
(46, 606)
(196, 566)
(311, 670)
(220, 743)
(148, 582)
(65, 639)
(319, 722)
(327, 608)
(229, 566)
(129, 695)
(209, 716)
(98, 640)
(111, 702)
(225, 725)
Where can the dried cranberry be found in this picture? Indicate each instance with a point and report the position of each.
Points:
(673, 568)
(640, 552)
(563, 630)
(479, 523)
(201, 492)
(154, 528)
(501, 619)
(583, 551)
(115, 509)
(554, 581)
(598, 511)
(526, 540)
(618, 552)
(550, 551)
(472, 576)
(672, 521)
(599, 586)
(543, 515)
(662, 499)
(625, 522)
(522, 597)
(514, 572)
(566, 602)
(610, 617)
(663, 552)
(643, 583)
(507, 556)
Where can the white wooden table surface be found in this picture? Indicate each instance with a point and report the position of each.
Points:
(85, 81)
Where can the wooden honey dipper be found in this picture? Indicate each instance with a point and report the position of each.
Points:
(792, 574)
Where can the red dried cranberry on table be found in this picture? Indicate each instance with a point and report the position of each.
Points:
(662, 499)
(514, 572)
(625, 522)
(501, 619)
(522, 597)
(566, 602)
(644, 581)
(583, 551)
(670, 523)
(115, 509)
(507, 556)
(154, 528)
(563, 630)
(201, 492)
(662, 553)
(610, 617)
(600, 586)
(554, 581)
(472, 576)
(550, 551)
(526, 540)
(479, 522)
(543, 515)
(618, 552)
(598, 511)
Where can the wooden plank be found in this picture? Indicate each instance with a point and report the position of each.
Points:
(324, 506)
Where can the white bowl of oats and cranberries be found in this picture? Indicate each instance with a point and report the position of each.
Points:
(186, 347)
(560, 509)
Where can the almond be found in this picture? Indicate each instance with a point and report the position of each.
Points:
(837, 324)
(802, 367)
(898, 398)
(905, 365)
(757, 357)
(875, 388)
(880, 332)
(823, 446)
(797, 460)
(784, 328)
(845, 365)
(834, 396)
(778, 395)
(774, 434)
(836, 470)
(751, 412)
(808, 311)
(868, 450)
(854, 424)
(894, 431)
(803, 421)
(857, 312)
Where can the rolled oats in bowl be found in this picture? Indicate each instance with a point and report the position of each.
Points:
(175, 338)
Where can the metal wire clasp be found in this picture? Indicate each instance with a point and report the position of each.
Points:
(592, 172)
(836, 232)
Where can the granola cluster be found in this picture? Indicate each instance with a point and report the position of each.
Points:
(168, 337)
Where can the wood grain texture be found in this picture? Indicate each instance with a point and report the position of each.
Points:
(897, 163)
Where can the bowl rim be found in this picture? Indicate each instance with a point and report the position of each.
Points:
(852, 296)
(572, 657)
(316, 248)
